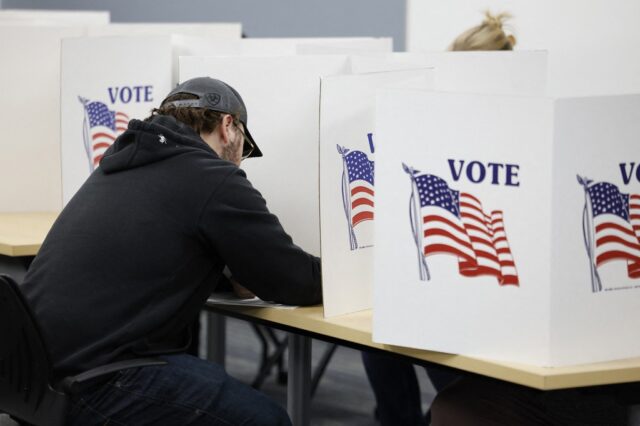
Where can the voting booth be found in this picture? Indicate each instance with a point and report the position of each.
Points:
(282, 96)
(58, 17)
(209, 46)
(508, 227)
(347, 150)
(499, 72)
(347, 192)
(576, 73)
(30, 116)
(345, 46)
(224, 30)
(189, 45)
(105, 82)
(186, 38)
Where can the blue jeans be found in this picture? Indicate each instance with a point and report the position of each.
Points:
(186, 391)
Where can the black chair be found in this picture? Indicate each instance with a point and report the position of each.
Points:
(26, 391)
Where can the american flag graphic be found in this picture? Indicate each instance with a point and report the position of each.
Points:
(615, 226)
(357, 189)
(102, 127)
(360, 174)
(451, 222)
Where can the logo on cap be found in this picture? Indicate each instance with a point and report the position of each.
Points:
(212, 98)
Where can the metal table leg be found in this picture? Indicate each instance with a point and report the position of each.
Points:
(299, 387)
(216, 339)
(269, 360)
(322, 367)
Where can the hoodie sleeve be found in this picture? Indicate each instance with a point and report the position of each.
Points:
(260, 254)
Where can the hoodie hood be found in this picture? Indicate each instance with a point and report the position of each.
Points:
(149, 142)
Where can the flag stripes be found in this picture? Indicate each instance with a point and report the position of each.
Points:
(104, 126)
(359, 172)
(455, 223)
(616, 226)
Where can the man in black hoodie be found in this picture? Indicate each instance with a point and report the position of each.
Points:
(135, 253)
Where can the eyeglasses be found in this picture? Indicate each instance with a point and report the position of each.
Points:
(247, 145)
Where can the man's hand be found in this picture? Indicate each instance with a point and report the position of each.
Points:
(241, 291)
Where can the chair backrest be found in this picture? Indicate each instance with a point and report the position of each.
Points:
(25, 369)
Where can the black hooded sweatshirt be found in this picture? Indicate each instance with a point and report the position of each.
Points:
(133, 256)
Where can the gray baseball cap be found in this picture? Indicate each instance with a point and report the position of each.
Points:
(217, 96)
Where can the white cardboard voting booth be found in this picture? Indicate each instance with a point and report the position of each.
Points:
(347, 147)
(282, 46)
(225, 30)
(518, 72)
(208, 46)
(30, 117)
(59, 17)
(361, 63)
(106, 81)
(185, 45)
(347, 108)
(576, 73)
(522, 72)
(282, 96)
(507, 227)
(346, 46)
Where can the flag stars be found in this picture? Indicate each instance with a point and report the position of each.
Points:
(100, 115)
(607, 199)
(359, 167)
(434, 191)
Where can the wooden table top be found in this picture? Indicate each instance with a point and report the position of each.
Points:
(22, 234)
(357, 327)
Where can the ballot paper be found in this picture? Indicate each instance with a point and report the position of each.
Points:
(229, 298)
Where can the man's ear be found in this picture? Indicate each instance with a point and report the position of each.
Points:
(224, 127)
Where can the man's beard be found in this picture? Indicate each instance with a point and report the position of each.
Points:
(230, 152)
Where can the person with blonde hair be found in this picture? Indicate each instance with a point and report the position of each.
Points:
(489, 35)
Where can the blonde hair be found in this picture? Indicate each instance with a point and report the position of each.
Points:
(489, 35)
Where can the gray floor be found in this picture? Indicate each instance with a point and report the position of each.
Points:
(343, 396)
